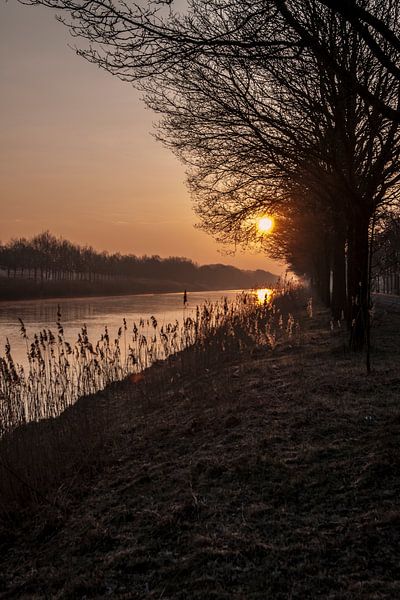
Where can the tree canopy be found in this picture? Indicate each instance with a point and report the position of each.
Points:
(277, 107)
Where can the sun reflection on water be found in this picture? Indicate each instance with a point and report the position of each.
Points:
(264, 295)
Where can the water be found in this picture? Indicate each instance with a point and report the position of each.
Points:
(96, 313)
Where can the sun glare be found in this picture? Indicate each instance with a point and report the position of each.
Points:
(265, 224)
(264, 295)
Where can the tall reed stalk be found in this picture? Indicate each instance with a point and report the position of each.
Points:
(60, 372)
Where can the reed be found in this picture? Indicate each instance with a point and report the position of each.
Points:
(59, 372)
(41, 456)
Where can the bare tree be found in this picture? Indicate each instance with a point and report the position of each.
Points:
(268, 102)
(253, 136)
(134, 41)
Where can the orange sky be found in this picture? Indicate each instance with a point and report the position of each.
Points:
(77, 156)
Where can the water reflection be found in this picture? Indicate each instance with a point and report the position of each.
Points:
(264, 295)
(96, 313)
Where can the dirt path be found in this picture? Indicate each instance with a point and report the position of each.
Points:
(273, 477)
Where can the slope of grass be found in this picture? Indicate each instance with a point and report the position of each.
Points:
(271, 475)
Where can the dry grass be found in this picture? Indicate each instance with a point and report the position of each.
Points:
(269, 475)
(37, 454)
(60, 372)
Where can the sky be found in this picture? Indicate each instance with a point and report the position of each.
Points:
(77, 155)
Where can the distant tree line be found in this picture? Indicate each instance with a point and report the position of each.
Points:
(47, 258)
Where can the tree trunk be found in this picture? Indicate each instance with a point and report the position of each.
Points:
(323, 278)
(357, 270)
(339, 299)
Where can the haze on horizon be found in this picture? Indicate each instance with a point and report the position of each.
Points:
(78, 157)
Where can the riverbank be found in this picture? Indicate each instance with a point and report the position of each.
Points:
(269, 474)
(29, 289)
(47, 266)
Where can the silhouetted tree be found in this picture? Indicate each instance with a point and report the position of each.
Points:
(134, 40)
(256, 94)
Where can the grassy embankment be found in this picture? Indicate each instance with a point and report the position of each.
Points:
(237, 475)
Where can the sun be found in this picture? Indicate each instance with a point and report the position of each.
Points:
(265, 224)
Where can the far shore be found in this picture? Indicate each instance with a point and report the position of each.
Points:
(47, 295)
(98, 296)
